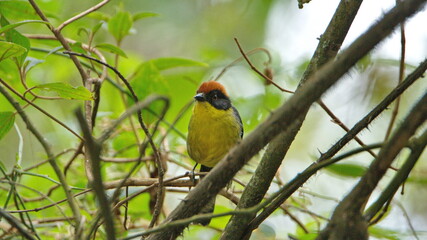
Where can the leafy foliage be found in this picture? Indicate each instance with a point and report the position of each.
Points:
(67, 91)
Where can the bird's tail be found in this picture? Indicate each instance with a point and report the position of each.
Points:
(209, 207)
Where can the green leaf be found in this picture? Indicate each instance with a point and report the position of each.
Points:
(383, 233)
(97, 27)
(220, 222)
(78, 47)
(305, 236)
(15, 37)
(6, 122)
(8, 75)
(159, 64)
(67, 91)
(17, 10)
(119, 25)
(99, 16)
(141, 15)
(149, 81)
(168, 63)
(8, 50)
(111, 48)
(55, 50)
(14, 25)
(417, 180)
(139, 207)
(83, 30)
(346, 170)
(122, 141)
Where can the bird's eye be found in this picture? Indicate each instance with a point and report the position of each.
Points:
(215, 97)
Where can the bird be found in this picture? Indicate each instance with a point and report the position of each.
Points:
(215, 127)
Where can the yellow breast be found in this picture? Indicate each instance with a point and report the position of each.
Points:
(211, 133)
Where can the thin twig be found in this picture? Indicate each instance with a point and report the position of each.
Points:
(40, 109)
(135, 108)
(401, 75)
(76, 153)
(158, 162)
(335, 119)
(126, 160)
(52, 160)
(257, 71)
(417, 146)
(177, 118)
(82, 14)
(105, 135)
(408, 220)
(103, 73)
(46, 161)
(18, 200)
(153, 185)
(16, 224)
(61, 39)
(294, 218)
(43, 196)
(253, 51)
(50, 205)
(348, 214)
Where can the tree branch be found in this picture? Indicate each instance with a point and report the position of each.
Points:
(16, 224)
(94, 148)
(325, 158)
(417, 147)
(347, 221)
(257, 187)
(61, 39)
(40, 109)
(82, 14)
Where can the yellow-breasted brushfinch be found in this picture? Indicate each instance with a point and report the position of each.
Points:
(215, 127)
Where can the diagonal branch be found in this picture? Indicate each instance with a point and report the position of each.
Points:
(347, 221)
(260, 182)
(61, 39)
(82, 14)
(417, 147)
(323, 161)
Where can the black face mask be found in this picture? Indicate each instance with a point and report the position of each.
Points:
(216, 98)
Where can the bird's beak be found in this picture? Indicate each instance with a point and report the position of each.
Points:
(200, 97)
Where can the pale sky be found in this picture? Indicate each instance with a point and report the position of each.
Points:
(314, 17)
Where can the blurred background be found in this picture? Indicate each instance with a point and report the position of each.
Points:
(203, 31)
